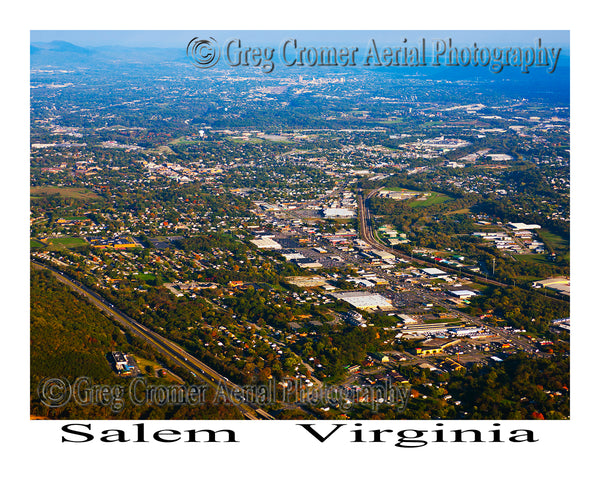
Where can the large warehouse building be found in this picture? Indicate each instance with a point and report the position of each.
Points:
(266, 242)
(365, 300)
(338, 213)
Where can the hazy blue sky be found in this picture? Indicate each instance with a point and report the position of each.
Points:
(179, 38)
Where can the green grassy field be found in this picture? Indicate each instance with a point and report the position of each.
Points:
(555, 242)
(144, 362)
(539, 258)
(67, 192)
(145, 276)
(66, 242)
(392, 121)
(433, 199)
(183, 141)
(245, 140)
(162, 149)
(35, 244)
(526, 278)
(462, 211)
(75, 218)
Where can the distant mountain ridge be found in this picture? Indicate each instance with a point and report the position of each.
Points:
(63, 53)
(59, 46)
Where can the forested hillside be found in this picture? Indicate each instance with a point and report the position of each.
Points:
(70, 339)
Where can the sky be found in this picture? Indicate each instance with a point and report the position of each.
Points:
(177, 38)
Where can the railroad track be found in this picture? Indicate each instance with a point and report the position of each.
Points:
(366, 233)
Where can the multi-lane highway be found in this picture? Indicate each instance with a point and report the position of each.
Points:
(366, 233)
(169, 349)
(243, 402)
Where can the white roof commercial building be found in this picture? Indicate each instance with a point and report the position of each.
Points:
(365, 300)
(384, 255)
(338, 213)
(266, 242)
(462, 294)
(434, 272)
(307, 263)
(523, 226)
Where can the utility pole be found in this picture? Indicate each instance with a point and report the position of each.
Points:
(493, 266)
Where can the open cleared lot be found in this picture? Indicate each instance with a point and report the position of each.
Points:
(538, 258)
(554, 242)
(67, 192)
(432, 199)
(66, 242)
(35, 244)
